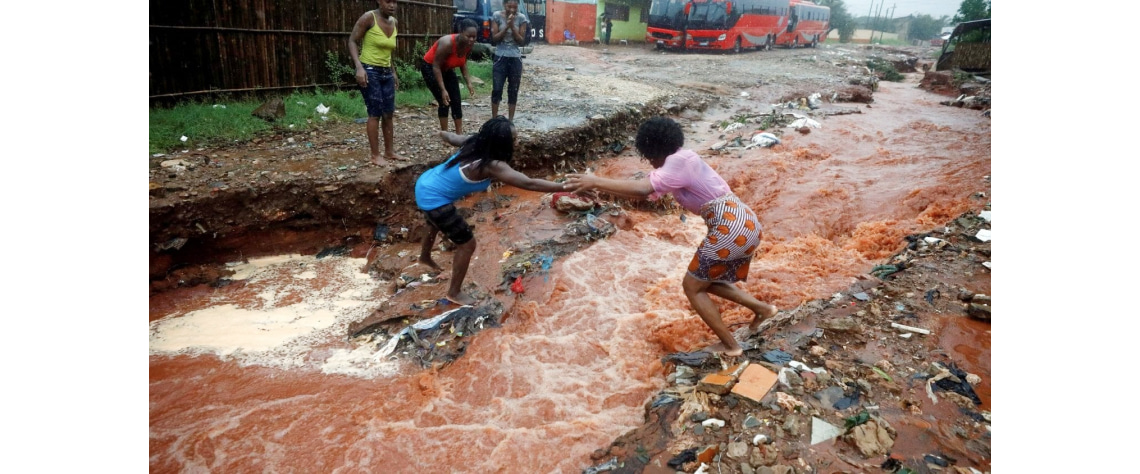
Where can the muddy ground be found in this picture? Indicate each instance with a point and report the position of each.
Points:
(315, 192)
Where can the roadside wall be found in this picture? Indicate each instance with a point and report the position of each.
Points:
(579, 17)
(863, 36)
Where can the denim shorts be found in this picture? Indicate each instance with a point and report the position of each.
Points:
(380, 93)
(446, 218)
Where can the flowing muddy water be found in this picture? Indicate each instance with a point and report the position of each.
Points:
(258, 375)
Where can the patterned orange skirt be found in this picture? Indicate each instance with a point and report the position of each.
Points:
(734, 234)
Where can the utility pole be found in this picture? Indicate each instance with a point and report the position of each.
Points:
(871, 25)
(877, 16)
(892, 17)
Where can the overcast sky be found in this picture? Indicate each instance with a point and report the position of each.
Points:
(934, 8)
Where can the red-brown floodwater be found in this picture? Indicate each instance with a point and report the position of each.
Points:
(259, 376)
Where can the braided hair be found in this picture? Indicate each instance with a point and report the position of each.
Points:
(495, 141)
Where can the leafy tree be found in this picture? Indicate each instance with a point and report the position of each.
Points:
(924, 27)
(840, 19)
(971, 10)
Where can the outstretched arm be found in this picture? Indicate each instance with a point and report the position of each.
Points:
(503, 172)
(453, 139)
(638, 189)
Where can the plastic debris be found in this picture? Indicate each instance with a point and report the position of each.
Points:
(777, 356)
(822, 431)
(861, 296)
(743, 94)
(984, 215)
(814, 101)
(517, 286)
(910, 328)
(704, 469)
(983, 235)
(805, 122)
(184, 138)
(219, 106)
(608, 466)
(764, 140)
(711, 422)
(987, 264)
(759, 439)
(733, 126)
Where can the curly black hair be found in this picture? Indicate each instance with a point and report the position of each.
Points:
(658, 138)
(495, 141)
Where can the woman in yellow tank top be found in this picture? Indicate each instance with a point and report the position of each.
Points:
(376, 32)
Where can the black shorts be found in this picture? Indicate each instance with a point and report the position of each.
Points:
(450, 223)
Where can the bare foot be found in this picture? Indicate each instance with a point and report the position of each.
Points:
(379, 160)
(395, 157)
(429, 262)
(719, 348)
(461, 299)
(758, 319)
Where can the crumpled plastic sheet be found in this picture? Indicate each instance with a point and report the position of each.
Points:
(692, 359)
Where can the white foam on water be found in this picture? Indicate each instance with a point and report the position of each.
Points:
(260, 329)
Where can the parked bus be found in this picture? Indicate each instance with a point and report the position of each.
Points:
(718, 24)
(807, 25)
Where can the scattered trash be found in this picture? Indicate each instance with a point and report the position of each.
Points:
(777, 356)
(608, 466)
(704, 469)
(664, 399)
(814, 101)
(751, 422)
(759, 439)
(339, 250)
(881, 373)
(381, 232)
(883, 271)
(764, 140)
(910, 328)
(985, 215)
(983, 235)
(682, 458)
(322, 109)
(733, 126)
(861, 296)
(361, 120)
(517, 286)
(931, 295)
(711, 422)
(853, 421)
(822, 431)
(743, 94)
(184, 138)
(847, 401)
(936, 460)
(692, 359)
(219, 106)
(805, 122)
(987, 265)
(953, 379)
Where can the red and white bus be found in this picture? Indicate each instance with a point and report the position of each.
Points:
(733, 24)
(716, 24)
(807, 24)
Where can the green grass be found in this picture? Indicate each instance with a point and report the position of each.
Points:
(206, 123)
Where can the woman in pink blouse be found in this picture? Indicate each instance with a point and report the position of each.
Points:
(734, 233)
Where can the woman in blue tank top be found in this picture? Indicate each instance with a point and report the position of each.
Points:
(481, 157)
